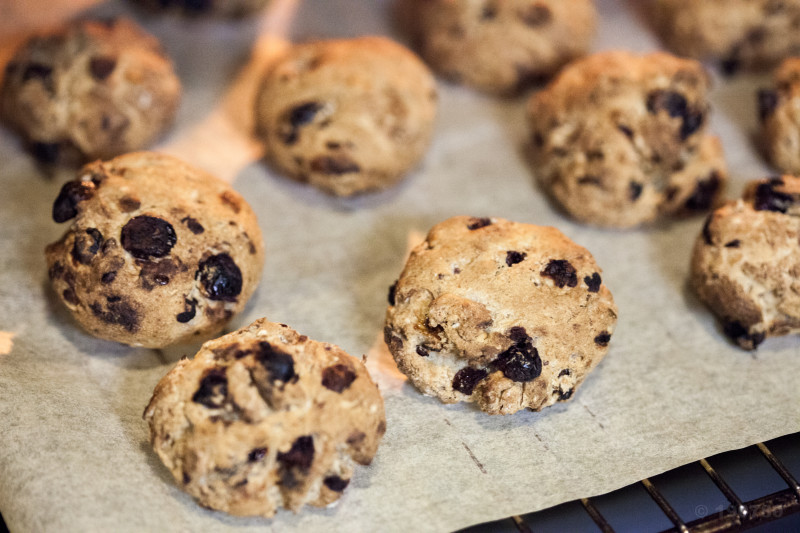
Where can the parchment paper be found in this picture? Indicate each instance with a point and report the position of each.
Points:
(74, 452)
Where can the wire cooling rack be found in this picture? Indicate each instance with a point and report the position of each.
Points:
(756, 487)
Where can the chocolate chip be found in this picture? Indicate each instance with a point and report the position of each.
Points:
(119, 312)
(520, 363)
(602, 338)
(41, 72)
(565, 372)
(145, 237)
(422, 351)
(193, 225)
(564, 396)
(220, 277)
(738, 333)
(518, 334)
(703, 195)
(676, 106)
(593, 282)
(735, 243)
(279, 365)
(338, 378)
(190, 308)
(128, 204)
(86, 245)
(634, 190)
(392, 292)
(296, 461)
(186, 478)
(334, 165)
(256, 454)
(72, 193)
(707, 237)
(767, 102)
(213, 389)
(512, 257)
(561, 272)
(101, 67)
(768, 199)
(335, 483)
(467, 378)
(536, 15)
(477, 223)
(46, 153)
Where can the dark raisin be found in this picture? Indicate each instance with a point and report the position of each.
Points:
(518, 334)
(634, 190)
(189, 310)
(196, 6)
(304, 113)
(145, 237)
(70, 296)
(338, 378)
(565, 372)
(186, 478)
(730, 65)
(86, 245)
(768, 199)
(213, 389)
(38, 71)
(625, 131)
(256, 454)
(738, 333)
(128, 204)
(46, 153)
(113, 298)
(155, 273)
(467, 378)
(477, 223)
(296, 461)
(422, 351)
(512, 257)
(120, 313)
(536, 15)
(593, 282)
(602, 338)
(705, 192)
(707, 237)
(676, 106)
(221, 278)
(56, 271)
(561, 272)
(489, 12)
(335, 483)
(520, 363)
(564, 396)
(279, 365)
(193, 225)
(735, 243)
(334, 165)
(767, 102)
(101, 67)
(72, 193)
(392, 292)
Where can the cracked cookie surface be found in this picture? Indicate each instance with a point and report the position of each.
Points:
(746, 262)
(157, 252)
(264, 418)
(91, 90)
(619, 139)
(506, 315)
(347, 116)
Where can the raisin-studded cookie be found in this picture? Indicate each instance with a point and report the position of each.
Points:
(92, 90)
(619, 139)
(264, 418)
(746, 263)
(347, 116)
(500, 46)
(750, 34)
(502, 314)
(779, 113)
(212, 8)
(157, 252)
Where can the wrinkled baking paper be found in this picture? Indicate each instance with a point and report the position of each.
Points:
(74, 452)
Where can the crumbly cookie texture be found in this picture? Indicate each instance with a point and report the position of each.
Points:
(746, 262)
(741, 34)
(348, 116)
(91, 90)
(500, 46)
(264, 418)
(506, 315)
(619, 139)
(157, 252)
(212, 8)
(779, 114)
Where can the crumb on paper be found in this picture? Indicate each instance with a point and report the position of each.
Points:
(6, 342)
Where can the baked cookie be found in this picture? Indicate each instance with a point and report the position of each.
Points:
(158, 252)
(264, 418)
(746, 262)
(779, 114)
(91, 90)
(502, 314)
(347, 116)
(619, 139)
(211, 8)
(749, 34)
(500, 46)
